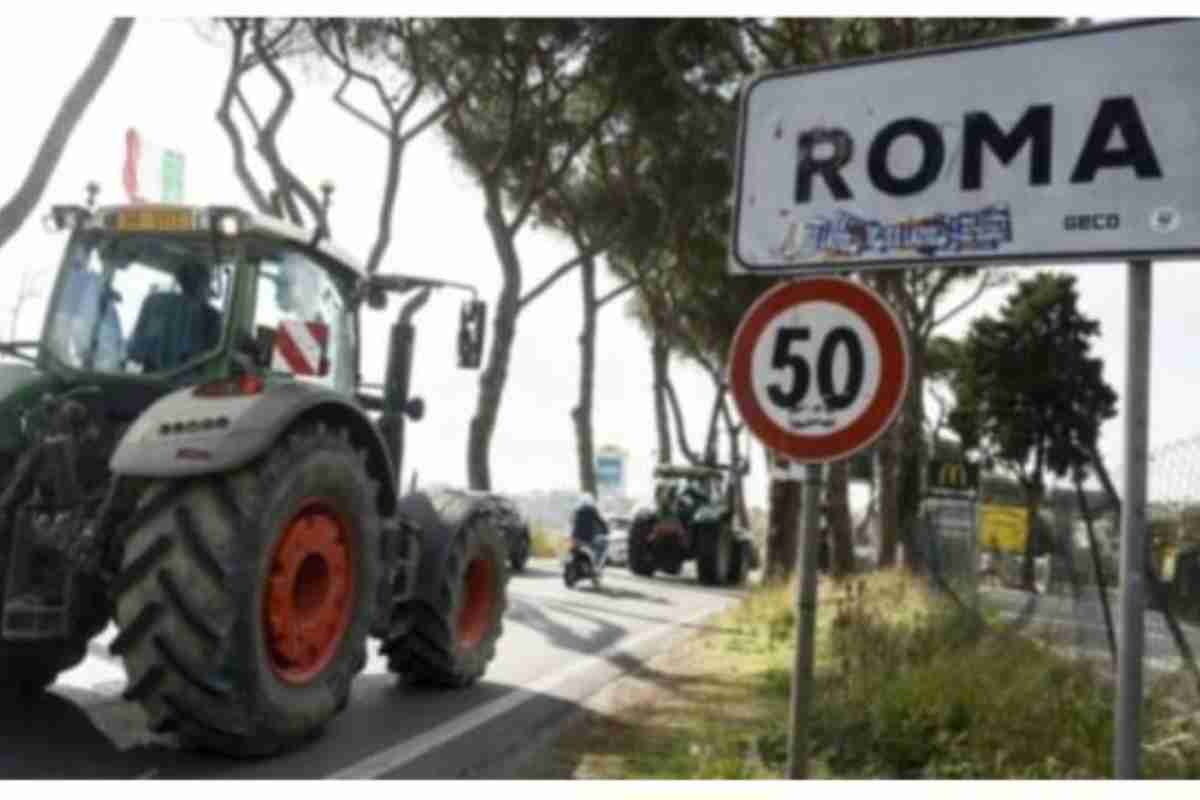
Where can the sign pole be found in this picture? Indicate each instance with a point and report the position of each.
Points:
(1133, 521)
(806, 623)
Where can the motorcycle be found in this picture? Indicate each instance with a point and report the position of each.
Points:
(581, 562)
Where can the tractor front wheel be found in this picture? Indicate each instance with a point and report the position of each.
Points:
(715, 553)
(641, 559)
(244, 600)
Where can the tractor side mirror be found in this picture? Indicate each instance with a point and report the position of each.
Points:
(414, 409)
(471, 321)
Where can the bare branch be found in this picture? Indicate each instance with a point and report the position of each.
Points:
(560, 271)
(677, 413)
(617, 292)
(224, 116)
(14, 213)
(289, 184)
(359, 115)
(986, 281)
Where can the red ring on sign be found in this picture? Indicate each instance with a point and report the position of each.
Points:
(893, 371)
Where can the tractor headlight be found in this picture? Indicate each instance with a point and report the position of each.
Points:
(229, 225)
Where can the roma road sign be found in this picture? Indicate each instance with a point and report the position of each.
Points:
(1079, 145)
(818, 368)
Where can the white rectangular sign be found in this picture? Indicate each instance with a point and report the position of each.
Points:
(1079, 145)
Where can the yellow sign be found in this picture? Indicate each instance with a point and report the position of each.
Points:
(1003, 528)
(154, 219)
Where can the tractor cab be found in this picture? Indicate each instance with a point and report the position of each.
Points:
(681, 491)
(174, 294)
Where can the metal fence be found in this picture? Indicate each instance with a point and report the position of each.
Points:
(1076, 574)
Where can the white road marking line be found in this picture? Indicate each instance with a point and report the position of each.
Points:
(411, 749)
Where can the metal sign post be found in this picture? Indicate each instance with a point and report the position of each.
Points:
(1133, 522)
(817, 369)
(806, 624)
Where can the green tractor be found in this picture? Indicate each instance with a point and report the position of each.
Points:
(189, 452)
(692, 519)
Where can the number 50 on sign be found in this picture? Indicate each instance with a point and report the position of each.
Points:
(818, 368)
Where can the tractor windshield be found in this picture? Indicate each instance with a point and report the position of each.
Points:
(138, 303)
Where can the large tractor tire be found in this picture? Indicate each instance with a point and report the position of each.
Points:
(641, 559)
(30, 666)
(739, 563)
(715, 546)
(519, 555)
(447, 632)
(244, 600)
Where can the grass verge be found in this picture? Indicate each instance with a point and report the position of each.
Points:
(907, 687)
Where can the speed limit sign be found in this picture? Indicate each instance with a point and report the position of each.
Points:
(818, 368)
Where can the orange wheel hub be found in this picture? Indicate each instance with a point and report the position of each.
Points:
(479, 600)
(309, 592)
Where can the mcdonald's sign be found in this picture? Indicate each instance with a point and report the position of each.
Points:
(952, 476)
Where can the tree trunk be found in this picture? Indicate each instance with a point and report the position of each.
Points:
(581, 415)
(912, 460)
(782, 529)
(839, 522)
(27, 196)
(504, 330)
(885, 474)
(1033, 505)
(660, 354)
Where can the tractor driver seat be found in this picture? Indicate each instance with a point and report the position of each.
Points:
(174, 327)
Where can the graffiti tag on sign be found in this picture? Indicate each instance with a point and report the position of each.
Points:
(846, 234)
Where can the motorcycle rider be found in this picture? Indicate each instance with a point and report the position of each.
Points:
(589, 528)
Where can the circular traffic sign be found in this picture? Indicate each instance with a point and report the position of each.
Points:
(818, 368)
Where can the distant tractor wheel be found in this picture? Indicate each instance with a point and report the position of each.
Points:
(641, 560)
(739, 563)
(519, 555)
(244, 600)
(715, 548)
(447, 632)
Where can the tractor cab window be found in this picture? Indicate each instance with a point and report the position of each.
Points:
(303, 312)
(138, 304)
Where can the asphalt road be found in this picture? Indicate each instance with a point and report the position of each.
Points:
(1080, 625)
(559, 647)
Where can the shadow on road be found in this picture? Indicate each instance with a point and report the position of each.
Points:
(575, 608)
(528, 613)
(537, 573)
(45, 735)
(608, 591)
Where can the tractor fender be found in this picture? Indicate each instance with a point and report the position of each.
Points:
(182, 435)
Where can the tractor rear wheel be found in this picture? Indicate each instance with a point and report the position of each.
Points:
(244, 599)
(446, 634)
(641, 559)
(715, 545)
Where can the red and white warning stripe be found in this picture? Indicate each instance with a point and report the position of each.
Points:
(300, 347)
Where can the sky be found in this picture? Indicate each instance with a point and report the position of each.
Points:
(167, 84)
